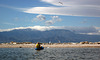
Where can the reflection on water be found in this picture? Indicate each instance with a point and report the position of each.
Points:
(50, 54)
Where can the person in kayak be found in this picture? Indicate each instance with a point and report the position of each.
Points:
(38, 45)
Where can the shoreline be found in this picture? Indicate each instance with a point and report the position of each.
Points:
(50, 45)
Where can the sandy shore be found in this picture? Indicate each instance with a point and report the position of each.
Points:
(51, 46)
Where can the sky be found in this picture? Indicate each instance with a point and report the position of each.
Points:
(70, 14)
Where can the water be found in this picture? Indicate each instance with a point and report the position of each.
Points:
(50, 54)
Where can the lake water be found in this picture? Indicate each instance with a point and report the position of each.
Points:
(50, 54)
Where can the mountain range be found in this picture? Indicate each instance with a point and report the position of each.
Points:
(54, 35)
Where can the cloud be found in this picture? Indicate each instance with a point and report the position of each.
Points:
(40, 28)
(6, 6)
(85, 29)
(97, 28)
(56, 18)
(90, 8)
(79, 30)
(53, 20)
(49, 22)
(11, 7)
(74, 2)
(8, 23)
(39, 18)
(84, 21)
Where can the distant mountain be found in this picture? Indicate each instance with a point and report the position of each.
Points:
(54, 35)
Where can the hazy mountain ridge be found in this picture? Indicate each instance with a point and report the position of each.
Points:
(54, 35)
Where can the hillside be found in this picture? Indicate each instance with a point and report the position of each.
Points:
(54, 35)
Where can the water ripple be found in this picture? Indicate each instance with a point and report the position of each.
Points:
(50, 54)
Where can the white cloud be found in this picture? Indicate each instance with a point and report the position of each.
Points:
(97, 28)
(6, 6)
(91, 33)
(74, 2)
(56, 18)
(40, 28)
(39, 18)
(84, 21)
(8, 23)
(53, 20)
(49, 22)
(78, 30)
(89, 8)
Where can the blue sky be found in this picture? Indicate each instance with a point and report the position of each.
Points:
(73, 13)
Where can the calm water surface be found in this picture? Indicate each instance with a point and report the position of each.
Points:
(50, 54)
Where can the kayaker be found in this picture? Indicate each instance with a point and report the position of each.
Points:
(38, 45)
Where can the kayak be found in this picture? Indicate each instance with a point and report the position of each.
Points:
(41, 48)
